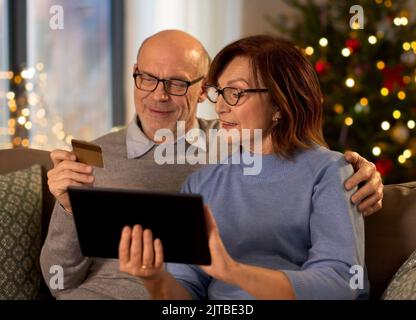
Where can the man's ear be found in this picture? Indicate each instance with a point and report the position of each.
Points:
(203, 93)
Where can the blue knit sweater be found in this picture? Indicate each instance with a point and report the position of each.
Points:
(294, 216)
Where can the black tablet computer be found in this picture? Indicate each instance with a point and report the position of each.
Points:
(176, 219)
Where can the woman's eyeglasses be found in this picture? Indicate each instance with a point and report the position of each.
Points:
(231, 95)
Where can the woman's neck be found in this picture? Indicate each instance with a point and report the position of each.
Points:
(266, 146)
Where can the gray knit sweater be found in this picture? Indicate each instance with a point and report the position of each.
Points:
(93, 278)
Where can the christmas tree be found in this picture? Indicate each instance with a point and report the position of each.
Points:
(366, 68)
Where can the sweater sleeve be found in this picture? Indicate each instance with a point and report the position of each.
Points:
(61, 248)
(337, 241)
(191, 277)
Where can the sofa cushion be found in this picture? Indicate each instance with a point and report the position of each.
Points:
(20, 230)
(390, 235)
(403, 285)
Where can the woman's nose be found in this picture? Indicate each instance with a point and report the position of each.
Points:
(221, 106)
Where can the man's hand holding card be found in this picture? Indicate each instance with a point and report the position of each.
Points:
(88, 153)
(73, 169)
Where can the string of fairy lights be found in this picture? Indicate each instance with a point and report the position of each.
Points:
(399, 131)
(29, 111)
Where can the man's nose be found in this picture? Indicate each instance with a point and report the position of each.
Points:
(160, 93)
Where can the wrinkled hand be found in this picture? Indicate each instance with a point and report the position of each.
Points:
(67, 172)
(139, 254)
(222, 265)
(370, 196)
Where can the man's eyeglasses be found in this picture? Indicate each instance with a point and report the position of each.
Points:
(174, 87)
(231, 95)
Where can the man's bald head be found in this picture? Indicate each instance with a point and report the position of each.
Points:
(180, 42)
(169, 55)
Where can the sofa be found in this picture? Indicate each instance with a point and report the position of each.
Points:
(17, 159)
(390, 234)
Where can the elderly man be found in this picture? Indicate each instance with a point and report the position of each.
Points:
(168, 74)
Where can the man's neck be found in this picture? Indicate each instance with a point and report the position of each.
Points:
(176, 134)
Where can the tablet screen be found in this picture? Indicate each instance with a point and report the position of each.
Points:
(176, 219)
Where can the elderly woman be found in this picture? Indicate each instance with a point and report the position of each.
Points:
(289, 232)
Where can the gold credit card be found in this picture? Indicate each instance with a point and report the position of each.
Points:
(88, 153)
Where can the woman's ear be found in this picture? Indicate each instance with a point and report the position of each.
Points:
(277, 116)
